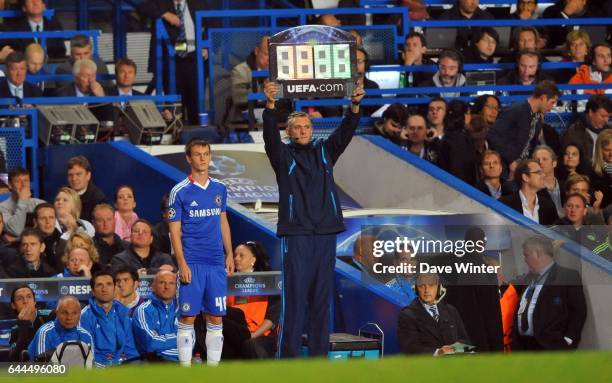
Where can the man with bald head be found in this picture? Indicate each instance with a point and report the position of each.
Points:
(155, 321)
(242, 79)
(63, 329)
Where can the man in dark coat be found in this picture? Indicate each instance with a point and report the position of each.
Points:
(427, 325)
(33, 21)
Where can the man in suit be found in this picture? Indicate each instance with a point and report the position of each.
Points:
(14, 85)
(86, 85)
(179, 21)
(516, 131)
(81, 48)
(428, 326)
(532, 199)
(552, 306)
(33, 21)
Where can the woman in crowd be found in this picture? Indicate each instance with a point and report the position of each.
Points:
(68, 211)
(573, 162)
(488, 106)
(125, 203)
(81, 260)
(601, 176)
(250, 323)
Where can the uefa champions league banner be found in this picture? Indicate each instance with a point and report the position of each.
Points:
(51, 289)
(313, 61)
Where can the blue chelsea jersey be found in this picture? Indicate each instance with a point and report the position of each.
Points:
(199, 209)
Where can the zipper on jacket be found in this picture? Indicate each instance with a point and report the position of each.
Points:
(290, 207)
(334, 203)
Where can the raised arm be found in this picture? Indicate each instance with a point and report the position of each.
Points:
(271, 135)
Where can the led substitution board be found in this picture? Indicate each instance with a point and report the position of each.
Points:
(313, 61)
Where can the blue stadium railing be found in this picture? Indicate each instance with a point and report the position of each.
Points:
(43, 36)
(163, 41)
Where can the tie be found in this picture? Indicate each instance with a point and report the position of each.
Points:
(182, 37)
(18, 92)
(36, 29)
(532, 129)
(528, 296)
(434, 312)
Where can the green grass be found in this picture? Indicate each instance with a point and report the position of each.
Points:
(581, 367)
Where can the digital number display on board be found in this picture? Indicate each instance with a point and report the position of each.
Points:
(313, 61)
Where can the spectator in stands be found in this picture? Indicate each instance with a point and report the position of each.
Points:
(107, 242)
(29, 320)
(436, 113)
(21, 203)
(584, 131)
(183, 37)
(34, 21)
(573, 161)
(547, 159)
(363, 257)
(127, 282)
(457, 152)
(449, 74)
(596, 70)
(140, 255)
(358, 38)
(85, 83)
(515, 133)
(546, 322)
(125, 203)
(573, 224)
(484, 44)
(465, 10)
(488, 106)
(30, 264)
(526, 10)
(155, 322)
(417, 9)
(577, 46)
(391, 125)
(79, 263)
(64, 328)
(415, 48)
(491, 182)
(478, 130)
(68, 211)
(250, 322)
(35, 61)
(108, 322)
(161, 231)
(531, 199)
(415, 136)
(44, 220)
(527, 72)
(81, 49)
(427, 325)
(79, 179)
(564, 9)
(523, 38)
(125, 73)
(580, 184)
(329, 20)
(242, 80)
(363, 66)
(602, 167)
(15, 85)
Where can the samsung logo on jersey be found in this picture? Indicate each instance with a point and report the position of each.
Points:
(204, 212)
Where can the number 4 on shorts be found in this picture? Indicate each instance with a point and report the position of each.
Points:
(220, 303)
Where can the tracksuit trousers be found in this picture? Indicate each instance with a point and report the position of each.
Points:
(308, 284)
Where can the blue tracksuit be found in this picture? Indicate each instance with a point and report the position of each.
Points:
(112, 333)
(51, 334)
(309, 217)
(155, 326)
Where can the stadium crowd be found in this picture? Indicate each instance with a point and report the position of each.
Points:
(509, 152)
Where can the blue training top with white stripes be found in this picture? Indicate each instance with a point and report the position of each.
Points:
(199, 209)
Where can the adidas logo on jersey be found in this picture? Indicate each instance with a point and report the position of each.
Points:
(193, 203)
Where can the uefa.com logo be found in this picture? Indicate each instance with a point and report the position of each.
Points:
(322, 88)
